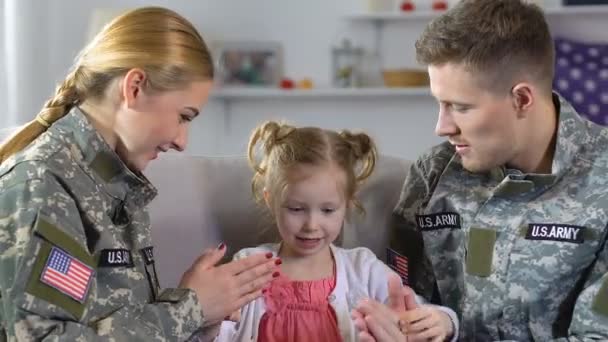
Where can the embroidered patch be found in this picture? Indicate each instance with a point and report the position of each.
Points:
(399, 264)
(119, 257)
(555, 232)
(66, 274)
(437, 221)
(148, 254)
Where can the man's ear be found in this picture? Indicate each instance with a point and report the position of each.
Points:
(132, 86)
(522, 95)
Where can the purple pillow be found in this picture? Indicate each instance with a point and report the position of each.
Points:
(581, 77)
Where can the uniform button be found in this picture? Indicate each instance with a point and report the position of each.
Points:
(331, 298)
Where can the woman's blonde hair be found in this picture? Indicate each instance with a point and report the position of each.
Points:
(285, 147)
(159, 41)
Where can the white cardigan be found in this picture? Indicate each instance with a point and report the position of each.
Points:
(359, 274)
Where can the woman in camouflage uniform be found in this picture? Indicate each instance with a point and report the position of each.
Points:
(76, 259)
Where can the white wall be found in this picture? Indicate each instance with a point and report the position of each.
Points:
(307, 29)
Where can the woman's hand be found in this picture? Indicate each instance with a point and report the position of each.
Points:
(427, 323)
(224, 289)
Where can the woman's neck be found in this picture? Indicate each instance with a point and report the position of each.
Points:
(309, 267)
(101, 115)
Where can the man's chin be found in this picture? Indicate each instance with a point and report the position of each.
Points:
(474, 166)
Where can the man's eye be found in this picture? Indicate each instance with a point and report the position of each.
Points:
(460, 108)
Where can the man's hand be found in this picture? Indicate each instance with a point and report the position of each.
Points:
(427, 323)
(378, 322)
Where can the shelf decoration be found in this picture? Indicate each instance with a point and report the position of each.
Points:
(250, 64)
(346, 62)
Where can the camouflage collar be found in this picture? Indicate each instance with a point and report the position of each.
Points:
(101, 162)
(571, 133)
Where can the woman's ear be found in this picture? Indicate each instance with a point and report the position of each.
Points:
(266, 195)
(132, 85)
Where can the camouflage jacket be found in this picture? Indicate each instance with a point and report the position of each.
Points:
(76, 260)
(517, 256)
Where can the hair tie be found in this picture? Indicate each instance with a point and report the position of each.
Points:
(42, 121)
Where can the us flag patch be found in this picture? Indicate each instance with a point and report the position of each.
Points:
(66, 274)
(399, 264)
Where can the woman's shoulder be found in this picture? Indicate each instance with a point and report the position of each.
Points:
(44, 169)
(35, 160)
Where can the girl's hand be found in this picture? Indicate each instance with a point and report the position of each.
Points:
(427, 323)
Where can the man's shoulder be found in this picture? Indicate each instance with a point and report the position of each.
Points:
(596, 144)
(437, 157)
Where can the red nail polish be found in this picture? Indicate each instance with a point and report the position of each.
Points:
(264, 291)
(278, 262)
(221, 246)
(276, 274)
(268, 255)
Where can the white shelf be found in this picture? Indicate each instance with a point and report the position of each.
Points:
(393, 16)
(426, 15)
(315, 93)
(572, 10)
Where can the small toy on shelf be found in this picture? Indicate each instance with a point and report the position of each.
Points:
(287, 83)
(305, 83)
(407, 6)
(440, 5)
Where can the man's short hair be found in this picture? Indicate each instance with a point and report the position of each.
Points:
(502, 40)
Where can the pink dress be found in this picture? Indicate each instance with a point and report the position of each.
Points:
(299, 311)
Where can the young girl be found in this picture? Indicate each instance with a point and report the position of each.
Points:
(308, 178)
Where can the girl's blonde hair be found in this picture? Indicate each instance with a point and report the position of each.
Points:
(285, 147)
(159, 41)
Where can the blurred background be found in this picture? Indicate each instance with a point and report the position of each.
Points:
(336, 64)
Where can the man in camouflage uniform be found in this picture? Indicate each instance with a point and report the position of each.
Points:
(116, 293)
(506, 221)
(520, 256)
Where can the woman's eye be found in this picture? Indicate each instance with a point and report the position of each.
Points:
(328, 210)
(185, 118)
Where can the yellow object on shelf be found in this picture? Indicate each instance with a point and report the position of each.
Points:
(305, 83)
(395, 78)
